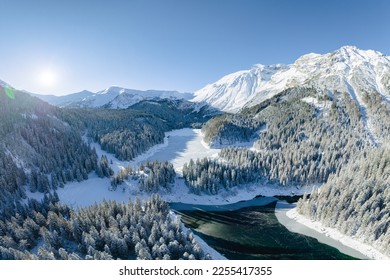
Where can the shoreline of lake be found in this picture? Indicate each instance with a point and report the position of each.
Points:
(290, 218)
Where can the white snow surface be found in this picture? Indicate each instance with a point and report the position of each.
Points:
(179, 147)
(320, 105)
(333, 233)
(3, 84)
(343, 70)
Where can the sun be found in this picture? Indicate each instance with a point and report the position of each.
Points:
(48, 78)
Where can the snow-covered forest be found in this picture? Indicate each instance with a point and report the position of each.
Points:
(356, 200)
(151, 176)
(297, 147)
(127, 133)
(110, 230)
(38, 150)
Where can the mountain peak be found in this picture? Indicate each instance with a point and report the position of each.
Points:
(349, 48)
(348, 69)
(354, 54)
(111, 89)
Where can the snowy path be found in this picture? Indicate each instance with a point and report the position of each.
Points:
(363, 112)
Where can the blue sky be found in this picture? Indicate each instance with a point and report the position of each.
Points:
(62, 47)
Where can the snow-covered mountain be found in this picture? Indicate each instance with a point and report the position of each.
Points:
(65, 100)
(112, 97)
(3, 84)
(348, 69)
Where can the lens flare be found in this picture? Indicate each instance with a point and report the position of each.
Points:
(9, 92)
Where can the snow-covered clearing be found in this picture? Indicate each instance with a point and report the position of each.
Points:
(289, 217)
(320, 105)
(179, 147)
(86, 193)
(183, 145)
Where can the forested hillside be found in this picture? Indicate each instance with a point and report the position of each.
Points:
(296, 142)
(356, 200)
(37, 149)
(110, 230)
(299, 137)
(128, 133)
(304, 136)
(41, 146)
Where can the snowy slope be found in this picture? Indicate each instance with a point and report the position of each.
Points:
(112, 97)
(66, 100)
(3, 84)
(128, 97)
(348, 69)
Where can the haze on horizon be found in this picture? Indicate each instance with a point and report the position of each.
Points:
(65, 47)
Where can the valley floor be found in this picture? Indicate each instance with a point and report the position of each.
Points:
(179, 147)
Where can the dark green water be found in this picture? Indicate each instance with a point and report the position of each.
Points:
(250, 230)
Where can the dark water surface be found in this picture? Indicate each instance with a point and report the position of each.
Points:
(250, 230)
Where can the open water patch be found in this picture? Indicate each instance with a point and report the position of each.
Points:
(250, 230)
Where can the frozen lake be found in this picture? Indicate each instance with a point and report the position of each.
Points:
(178, 148)
(183, 145)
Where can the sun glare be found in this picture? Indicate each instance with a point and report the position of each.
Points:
(48, 78)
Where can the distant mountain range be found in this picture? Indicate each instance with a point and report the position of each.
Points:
(348, 69)
(112, 97)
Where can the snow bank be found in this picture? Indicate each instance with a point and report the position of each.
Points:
(320, 105)
(180, 193)
(333, 233)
